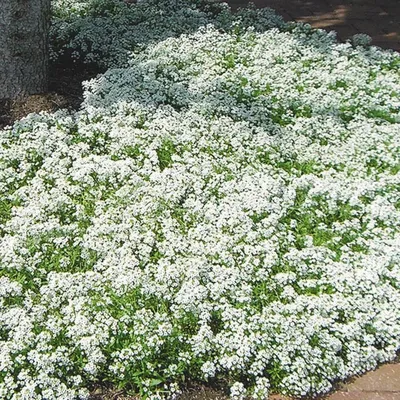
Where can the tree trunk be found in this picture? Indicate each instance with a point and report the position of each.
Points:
(23, 47)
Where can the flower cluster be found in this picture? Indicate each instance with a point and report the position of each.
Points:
(105, 32)
(225, 207)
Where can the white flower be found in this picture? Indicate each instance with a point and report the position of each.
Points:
(237, 391)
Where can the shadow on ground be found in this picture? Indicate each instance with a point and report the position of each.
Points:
(380, 19)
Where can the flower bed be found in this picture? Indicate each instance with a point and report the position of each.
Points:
(105, 32)
(225, 209)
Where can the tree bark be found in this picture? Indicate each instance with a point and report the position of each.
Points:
(24, 26)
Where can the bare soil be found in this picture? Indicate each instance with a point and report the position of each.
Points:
(65, 91)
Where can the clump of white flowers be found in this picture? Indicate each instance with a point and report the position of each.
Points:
(226, 207)
(105, 32)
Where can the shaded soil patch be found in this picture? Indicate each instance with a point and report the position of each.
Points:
(377, 18)
(65, 91)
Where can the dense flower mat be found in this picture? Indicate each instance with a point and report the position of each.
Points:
(225, 208)
(105, 32)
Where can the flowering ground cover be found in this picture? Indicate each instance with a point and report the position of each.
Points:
(223, 208)
(105, 33)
